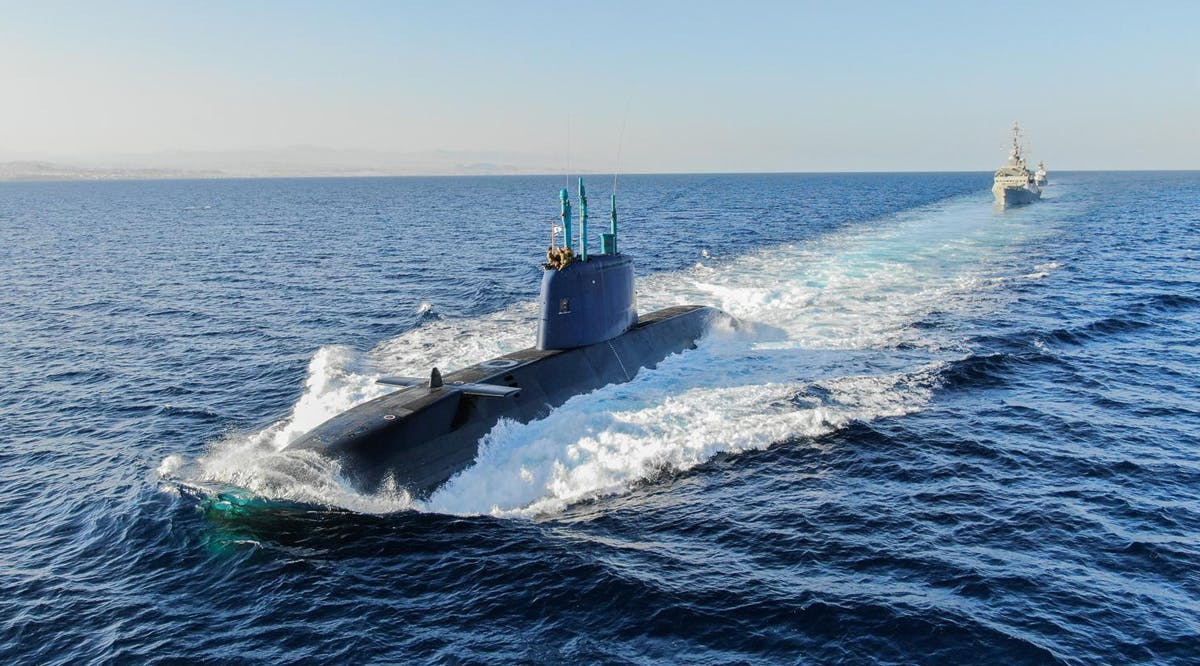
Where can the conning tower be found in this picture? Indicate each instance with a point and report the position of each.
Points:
(585, 298)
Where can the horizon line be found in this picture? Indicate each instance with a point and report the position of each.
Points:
(76, 179)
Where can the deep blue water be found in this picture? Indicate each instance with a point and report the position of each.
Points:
(947, 434)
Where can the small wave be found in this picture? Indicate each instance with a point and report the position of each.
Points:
(1112, 325)
(1169, 302)
(977, 371)
(181, 411)
(1099, 329)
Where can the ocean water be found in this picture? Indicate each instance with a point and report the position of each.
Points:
(944, 433)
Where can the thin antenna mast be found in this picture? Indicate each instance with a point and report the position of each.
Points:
(609, 240)
(620, 144)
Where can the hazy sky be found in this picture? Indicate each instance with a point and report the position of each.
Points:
(709, 86)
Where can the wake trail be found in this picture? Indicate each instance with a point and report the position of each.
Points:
(829, 335)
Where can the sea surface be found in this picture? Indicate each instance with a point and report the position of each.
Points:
(945, 433)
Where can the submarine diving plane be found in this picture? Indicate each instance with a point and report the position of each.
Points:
(589, 335)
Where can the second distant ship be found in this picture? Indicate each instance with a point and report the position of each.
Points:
(1014, 183)
(1040, 176)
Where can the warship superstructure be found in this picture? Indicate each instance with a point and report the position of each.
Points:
(589, 335)
(1040, 177)
(1014, 183)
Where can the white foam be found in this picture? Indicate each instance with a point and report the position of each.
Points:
(170, 465)
(597, 444)
(823, 325)
(260, 462)
(332, 387)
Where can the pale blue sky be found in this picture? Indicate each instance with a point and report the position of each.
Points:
(710, 86)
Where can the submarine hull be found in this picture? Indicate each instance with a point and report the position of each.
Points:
(420, 436)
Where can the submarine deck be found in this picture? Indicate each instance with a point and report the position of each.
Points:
(420, 436)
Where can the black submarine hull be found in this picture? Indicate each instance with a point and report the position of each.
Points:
(420, 436)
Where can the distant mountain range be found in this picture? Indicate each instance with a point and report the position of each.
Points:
(294, 161)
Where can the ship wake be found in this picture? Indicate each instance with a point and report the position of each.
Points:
(832, 331)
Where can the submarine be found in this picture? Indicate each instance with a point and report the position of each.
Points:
(589, 336)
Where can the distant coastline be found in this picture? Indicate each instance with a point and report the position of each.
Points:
(290, 162)
(37, 170)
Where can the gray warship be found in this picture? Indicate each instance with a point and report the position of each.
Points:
(1014, 184)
